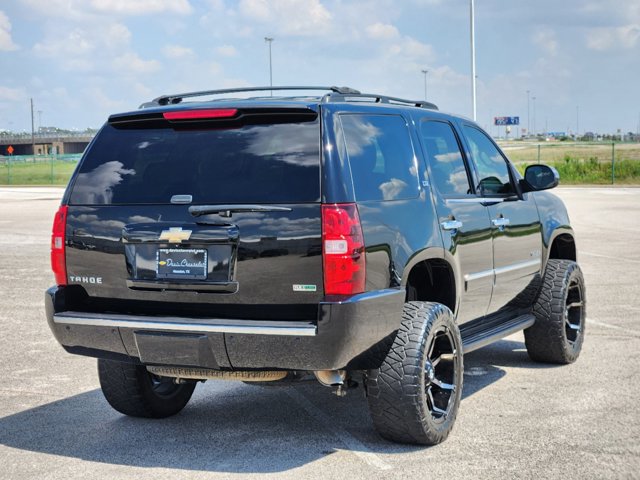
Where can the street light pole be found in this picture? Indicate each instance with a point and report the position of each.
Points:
(425, 82)
(528, 123)
(577, 121)
(473, 60)
(33, 140)
(534, 115)
(269, 40)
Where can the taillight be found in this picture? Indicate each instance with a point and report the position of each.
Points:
(342, 250)
(58, 262)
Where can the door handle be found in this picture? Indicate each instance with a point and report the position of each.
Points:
(451, 225)
(500, 222)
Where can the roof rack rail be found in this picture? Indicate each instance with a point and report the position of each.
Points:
(336, 94)
(177, 98)
(376, 98)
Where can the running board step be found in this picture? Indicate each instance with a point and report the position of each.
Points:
(476, 336)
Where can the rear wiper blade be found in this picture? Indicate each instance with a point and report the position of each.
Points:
(227, 210)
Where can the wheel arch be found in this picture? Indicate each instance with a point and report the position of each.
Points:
(561, 245)
(430, 277)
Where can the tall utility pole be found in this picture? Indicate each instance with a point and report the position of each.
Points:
(269, 40)
(473, 60)
(534, 115)
(528, 123)
(33, 138)
(425, 82)
(577, 121)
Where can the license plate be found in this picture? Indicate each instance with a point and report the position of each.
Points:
(181, 263)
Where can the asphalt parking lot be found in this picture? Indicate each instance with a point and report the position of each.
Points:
(518, 419)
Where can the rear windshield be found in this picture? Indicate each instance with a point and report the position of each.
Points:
(274, 163)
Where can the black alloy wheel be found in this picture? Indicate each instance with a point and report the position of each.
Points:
(415, 394)
(561, 311)
(441, 374)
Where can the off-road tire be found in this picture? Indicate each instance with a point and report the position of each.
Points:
(401, 392)
(560, 311)
(132, 390)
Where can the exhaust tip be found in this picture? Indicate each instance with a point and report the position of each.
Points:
(331, 378)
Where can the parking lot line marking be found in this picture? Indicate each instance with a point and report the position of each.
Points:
(614, 327)
(611, 257)
(353, 445)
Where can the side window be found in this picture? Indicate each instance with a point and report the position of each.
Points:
(493, 172)
(448, 172)
(381, 157)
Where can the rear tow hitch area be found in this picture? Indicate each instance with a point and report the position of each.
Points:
(339, 380)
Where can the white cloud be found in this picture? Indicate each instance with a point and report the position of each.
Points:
(629, 35)
(215, 69)
(131, 63)
(142, 91)
(116, 36)
(103, 101)
(608, 11)
(6, 43)
(72, 50)
(290, 17)
(84, 48)
(227, 51)
(177, 51)
(216, 4)
(545, 38)
(142, 7)
(74, 42)
(68, 9)
(256, 9)
(602, 39)
(382, 31)
(409, 54)
(12, 94)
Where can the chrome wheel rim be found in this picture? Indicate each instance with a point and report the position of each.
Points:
(574, 313)
(441, 371)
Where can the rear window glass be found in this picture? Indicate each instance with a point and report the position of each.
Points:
(381, 157)
(274, 163)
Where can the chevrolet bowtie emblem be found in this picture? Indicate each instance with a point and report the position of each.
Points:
(175, 235)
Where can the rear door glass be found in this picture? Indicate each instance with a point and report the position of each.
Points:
(272, 163)
(381, 156)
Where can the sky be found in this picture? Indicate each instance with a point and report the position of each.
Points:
(81, 60)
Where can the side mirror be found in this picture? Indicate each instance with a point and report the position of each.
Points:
(539, 177)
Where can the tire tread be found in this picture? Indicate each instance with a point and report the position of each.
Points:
(546, 338)
(394, 390)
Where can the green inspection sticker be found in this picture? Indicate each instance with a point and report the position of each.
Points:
(304, 288)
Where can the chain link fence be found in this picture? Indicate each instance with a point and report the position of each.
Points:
(588, 162)
(37, 170)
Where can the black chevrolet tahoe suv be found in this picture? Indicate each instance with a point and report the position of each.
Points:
(353, 237)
